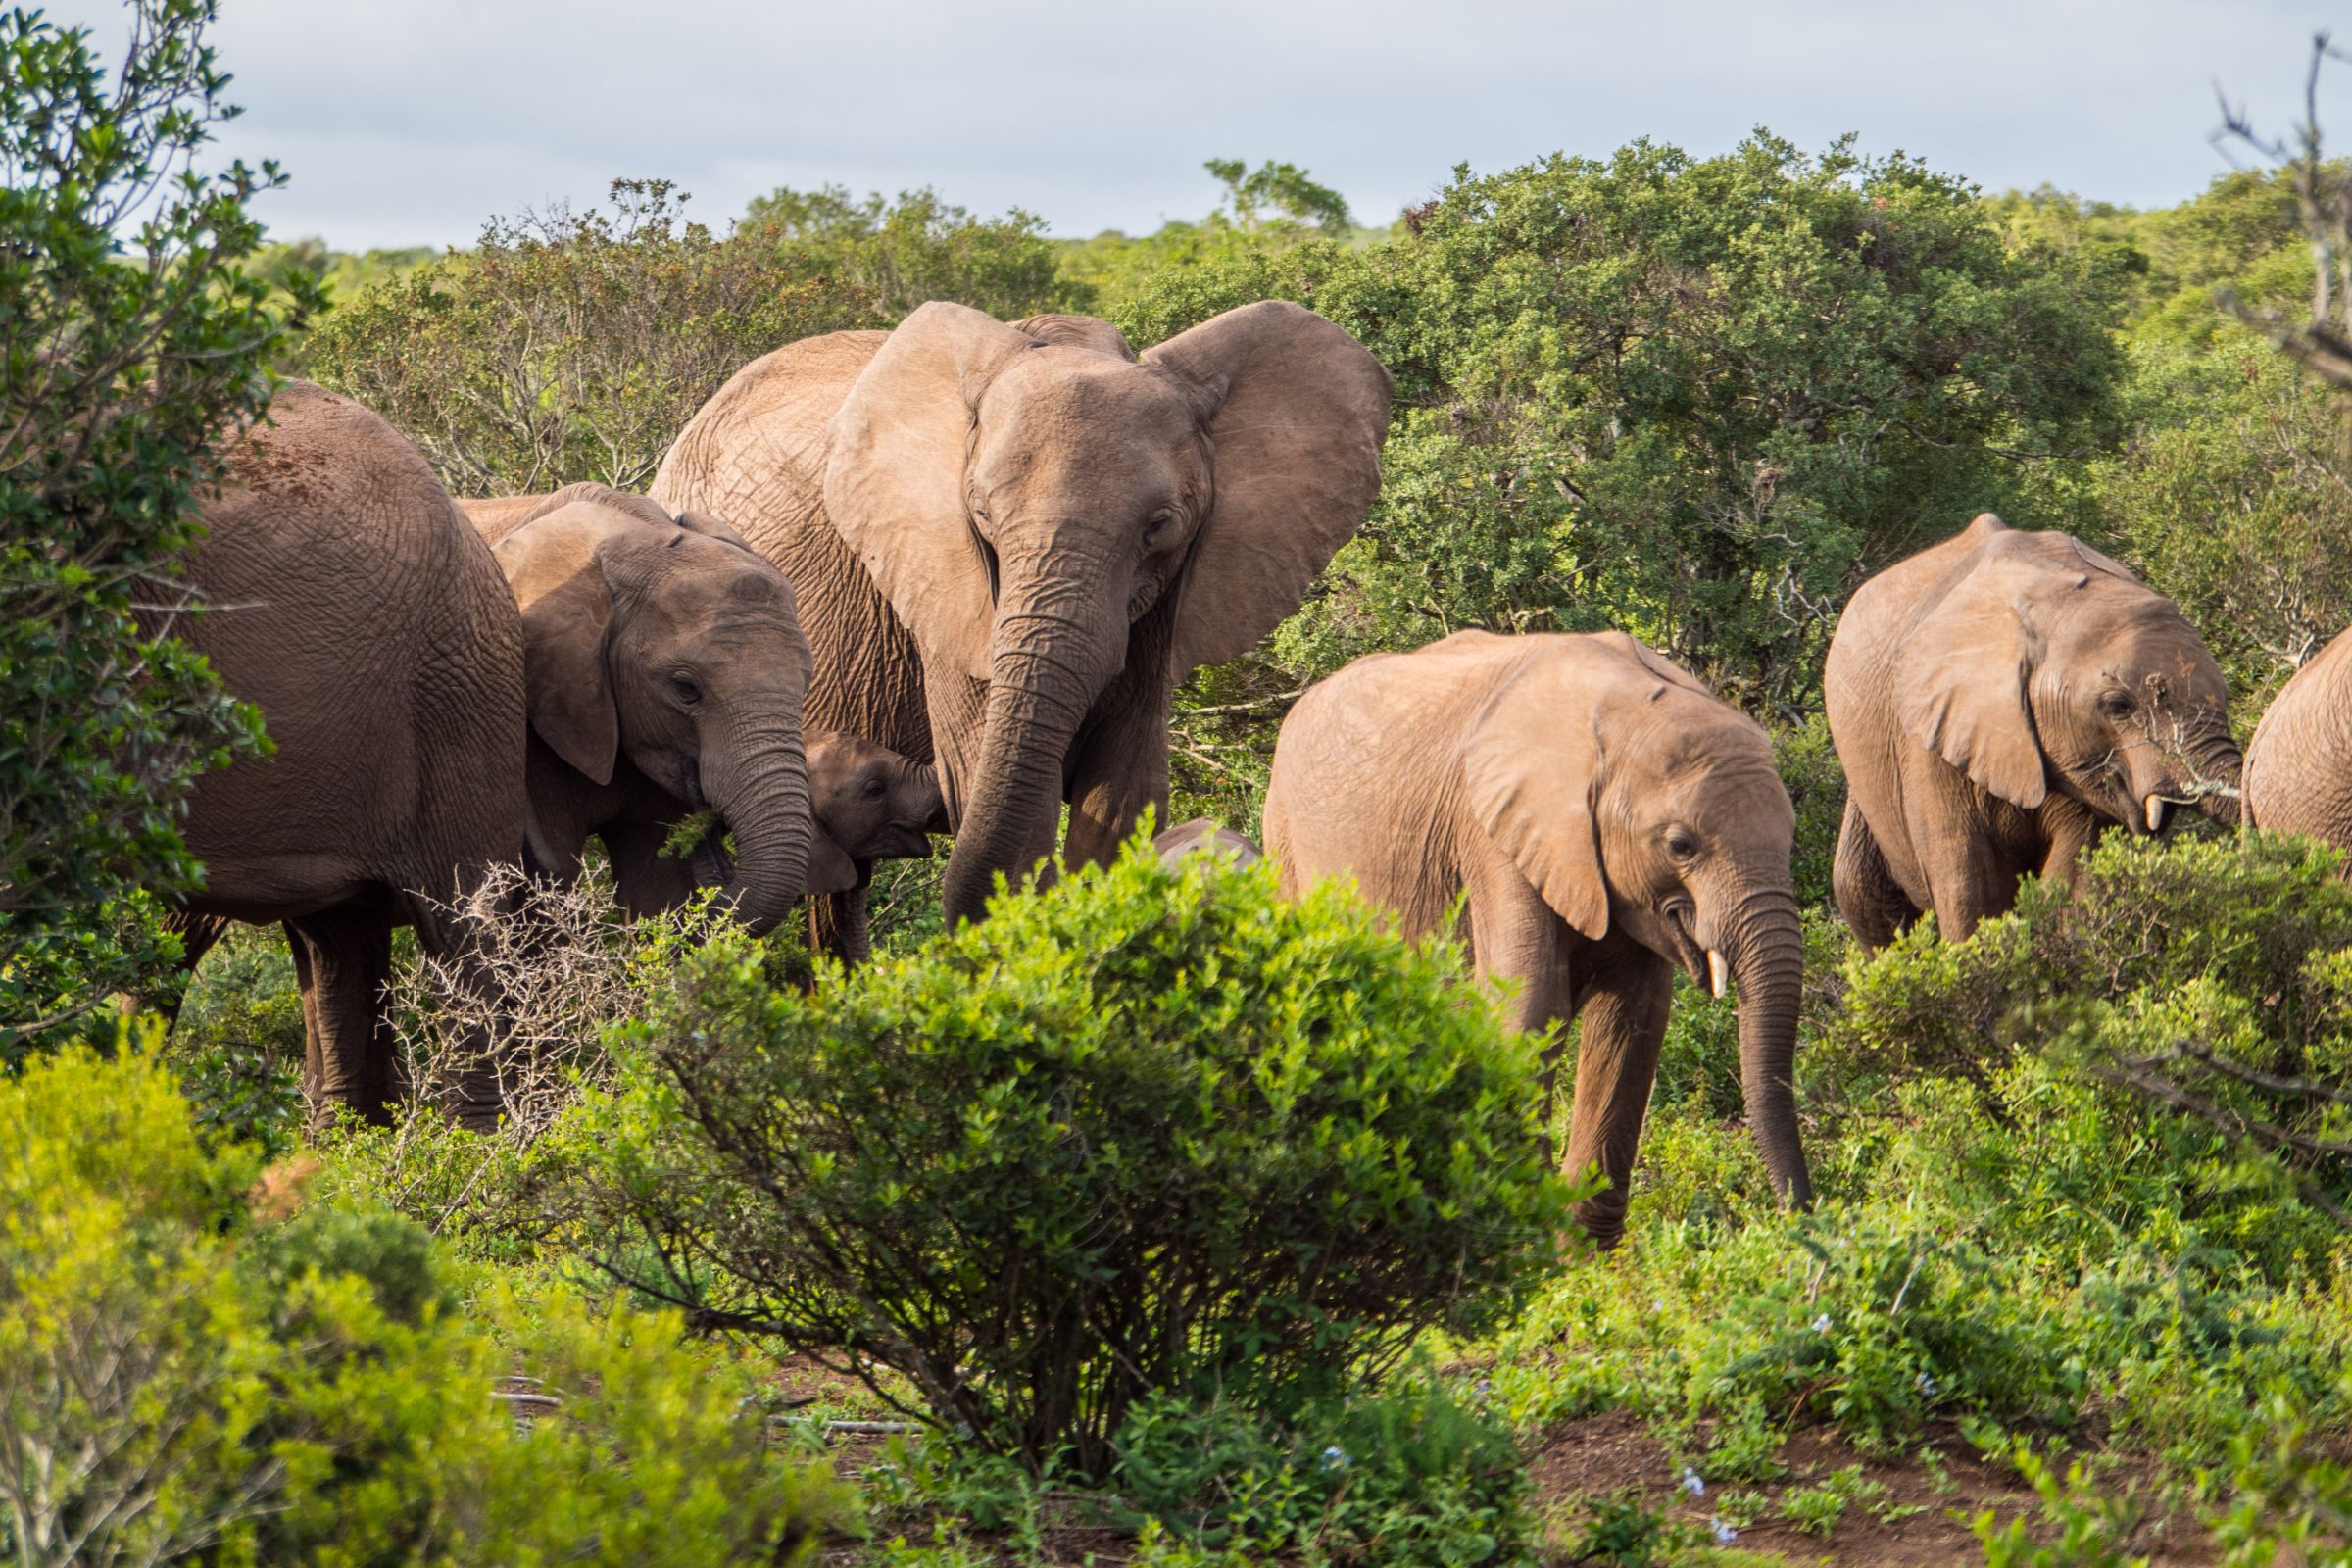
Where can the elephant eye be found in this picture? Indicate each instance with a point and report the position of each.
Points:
(685, 687)
(1681, 843)
(1159, 523)
(2116, 705)
(874, 787)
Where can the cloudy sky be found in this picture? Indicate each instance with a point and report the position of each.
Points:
(406, 121)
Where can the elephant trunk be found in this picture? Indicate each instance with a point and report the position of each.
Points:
(1768, 963)
(762, 791)
(1051, 660)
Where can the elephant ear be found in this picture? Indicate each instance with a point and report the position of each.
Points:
(1295, 413)
(552, 566)
(830, 868)
(1962, 680)
(1530, 772)
(893, 475)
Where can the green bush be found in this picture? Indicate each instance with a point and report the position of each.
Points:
(130, 338)
(197, 1365)
(1146, 1133)
(2205, 976)
(238, 1045)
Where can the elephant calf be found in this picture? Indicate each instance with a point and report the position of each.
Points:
(1998, 701)
(872, 804)
(664, 668)
(1609, 820)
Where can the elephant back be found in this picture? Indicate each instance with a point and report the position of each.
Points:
(353, 603)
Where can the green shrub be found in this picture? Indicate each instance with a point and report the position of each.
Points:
(197, 1365)
(2205, 977)
(238, 1047)
(130, 338)
(1147, 1132)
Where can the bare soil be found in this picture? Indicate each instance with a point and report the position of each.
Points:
(1613, 1454)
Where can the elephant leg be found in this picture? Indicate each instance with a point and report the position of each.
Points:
(342, 960)
(1874, 907)
(838, 925)
(1119, 760)
(471, 1087)
(1625, 998)
(2072, 831)
(1515, 937)
(1968, 883)
(198, 935)
(645, 880)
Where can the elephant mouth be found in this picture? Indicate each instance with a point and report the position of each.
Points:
(1700, 964)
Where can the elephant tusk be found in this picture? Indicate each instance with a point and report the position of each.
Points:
(1719, 971)
(2154, 806)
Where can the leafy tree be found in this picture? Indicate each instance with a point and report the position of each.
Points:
(1696, 399)
(917, 248)
(570, 346)
(1277, 194)
(132, 338)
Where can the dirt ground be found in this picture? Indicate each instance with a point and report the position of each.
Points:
(1613, 1454)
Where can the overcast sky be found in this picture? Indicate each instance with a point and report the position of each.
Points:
(408, 121)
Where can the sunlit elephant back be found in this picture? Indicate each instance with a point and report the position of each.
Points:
(1012, 541)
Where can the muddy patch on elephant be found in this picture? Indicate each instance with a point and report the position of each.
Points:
(1903, 1514)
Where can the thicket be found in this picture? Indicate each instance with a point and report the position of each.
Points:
(199, 1366)
(131, 341)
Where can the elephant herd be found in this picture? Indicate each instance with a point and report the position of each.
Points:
(945, 578)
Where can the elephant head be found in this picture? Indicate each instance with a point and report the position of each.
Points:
(871, 802)
(2044, 666)
(1633, 801)
(1026, 495)
(669, 644)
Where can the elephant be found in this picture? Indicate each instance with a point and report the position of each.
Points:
(872, 804)
(1603, 819)
(352, 603)
(1012, 540)
(1997, 701)
(1201, 836)
(2298, 776)
(665, 671)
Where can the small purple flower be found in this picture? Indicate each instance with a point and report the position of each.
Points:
(1725, 1534)
(1821, 1324)
(1692, 1484)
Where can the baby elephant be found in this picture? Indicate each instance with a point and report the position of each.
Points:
(1609, 819)
(1201, 836)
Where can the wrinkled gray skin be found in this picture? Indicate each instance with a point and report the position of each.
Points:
(2299, 762)
(666, 673)
(871, 805)
(1011, 541)
(1609, 820)
(374, 631)
(1201, 836)
(1998, 701)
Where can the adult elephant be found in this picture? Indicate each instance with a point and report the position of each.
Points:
(1608, 820)
(2299, 762)
(1998, 701)
(374, 629)
(1012, 541)
(665, 671)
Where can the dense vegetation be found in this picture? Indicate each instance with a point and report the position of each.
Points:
(1175, 1221)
